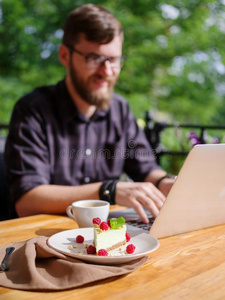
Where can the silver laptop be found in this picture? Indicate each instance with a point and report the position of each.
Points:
(197, 198)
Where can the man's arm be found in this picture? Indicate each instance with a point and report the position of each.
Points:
(54, 199)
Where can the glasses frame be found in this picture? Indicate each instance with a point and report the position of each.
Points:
(102, 58)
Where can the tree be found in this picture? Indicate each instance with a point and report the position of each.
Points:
(175, 54)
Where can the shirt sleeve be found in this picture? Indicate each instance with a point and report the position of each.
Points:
(141, 158)
(26, 151)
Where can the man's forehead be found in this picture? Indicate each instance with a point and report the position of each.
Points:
(113, 48)
(82, 38)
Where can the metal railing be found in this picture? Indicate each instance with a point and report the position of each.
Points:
(154, 130)
(3, 133)
(3, 128)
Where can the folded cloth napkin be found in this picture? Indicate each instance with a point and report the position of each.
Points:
(36, 266)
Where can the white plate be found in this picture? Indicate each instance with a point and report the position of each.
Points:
(61, 241)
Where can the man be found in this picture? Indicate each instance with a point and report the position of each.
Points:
(72, 141)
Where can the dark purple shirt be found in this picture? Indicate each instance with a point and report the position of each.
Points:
(50, 142)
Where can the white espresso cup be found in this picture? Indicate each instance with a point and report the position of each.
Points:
(84, 211)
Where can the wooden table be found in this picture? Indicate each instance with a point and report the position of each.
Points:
(187, 266)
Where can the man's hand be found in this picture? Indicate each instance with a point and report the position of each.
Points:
(139, 194)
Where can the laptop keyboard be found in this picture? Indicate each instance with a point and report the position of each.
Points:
(139, 223)
(133, 219)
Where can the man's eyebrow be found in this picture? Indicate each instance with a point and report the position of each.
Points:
(99, 55)
(93, 53)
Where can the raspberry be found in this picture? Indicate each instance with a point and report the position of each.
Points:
(108, 222)
(127, 237)
(91, 250)
(102, 252)
(96, 221)
(130, 249)
(104, 226)
(80, 239)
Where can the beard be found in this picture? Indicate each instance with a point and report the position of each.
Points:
(97, 98)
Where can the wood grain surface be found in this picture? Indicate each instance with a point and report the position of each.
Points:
(187, 266)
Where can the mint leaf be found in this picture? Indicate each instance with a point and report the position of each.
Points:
(116, 223)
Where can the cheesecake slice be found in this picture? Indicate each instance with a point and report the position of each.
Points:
(112, 237)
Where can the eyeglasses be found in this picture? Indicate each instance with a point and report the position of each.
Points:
(94, 61)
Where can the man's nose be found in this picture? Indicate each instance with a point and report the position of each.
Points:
(106, 68)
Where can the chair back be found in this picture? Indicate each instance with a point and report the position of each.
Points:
(5, 206)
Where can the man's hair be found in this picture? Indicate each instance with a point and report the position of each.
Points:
(96, 23)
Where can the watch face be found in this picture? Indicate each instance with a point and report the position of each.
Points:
(106, 193)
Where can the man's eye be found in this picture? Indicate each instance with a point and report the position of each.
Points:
(114, 60)
(93, 57)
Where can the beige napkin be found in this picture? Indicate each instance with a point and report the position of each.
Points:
(35, 266)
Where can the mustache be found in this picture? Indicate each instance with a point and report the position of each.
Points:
(98, 76)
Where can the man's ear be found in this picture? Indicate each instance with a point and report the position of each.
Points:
(64, 55)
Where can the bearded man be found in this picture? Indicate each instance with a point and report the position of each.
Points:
(73, 140)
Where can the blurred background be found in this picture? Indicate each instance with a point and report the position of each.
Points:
(175, 60)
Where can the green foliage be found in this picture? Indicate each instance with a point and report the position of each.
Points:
(175, 54)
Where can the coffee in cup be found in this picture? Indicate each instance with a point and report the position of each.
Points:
(84, 211)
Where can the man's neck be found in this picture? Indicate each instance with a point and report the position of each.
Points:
(84, 108)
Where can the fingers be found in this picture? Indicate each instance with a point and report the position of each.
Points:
(150, 201)
(140, 211)
(151, 192)
(137, 195)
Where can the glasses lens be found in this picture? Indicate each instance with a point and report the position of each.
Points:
(115, 62)
(94, 61)
(122, 60)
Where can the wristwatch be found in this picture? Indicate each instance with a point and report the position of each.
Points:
(162, 178)
(107, 191)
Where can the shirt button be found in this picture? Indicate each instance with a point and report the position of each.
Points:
(88, 152)
(87, 179)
